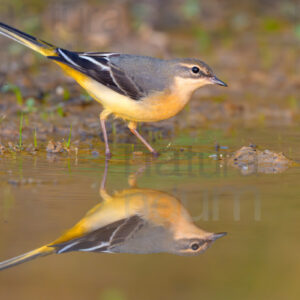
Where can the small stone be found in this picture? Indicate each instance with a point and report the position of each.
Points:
(54, 147)
(138, 153)
(95, 153)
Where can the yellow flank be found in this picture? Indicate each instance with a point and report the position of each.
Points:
(160, 106)
(153, 205)
(78, 76)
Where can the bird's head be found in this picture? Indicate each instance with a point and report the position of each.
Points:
(190, 74)
(196, 245)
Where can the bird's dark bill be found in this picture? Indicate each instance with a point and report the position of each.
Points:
(218, 235)
(216, 80)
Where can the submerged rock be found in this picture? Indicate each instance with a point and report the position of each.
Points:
(251, 160)
(2, 149)
(55, 147)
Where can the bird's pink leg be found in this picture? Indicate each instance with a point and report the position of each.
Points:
(103, 117)
(132, 128)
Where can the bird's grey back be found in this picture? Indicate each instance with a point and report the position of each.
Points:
(150, 238)
(147, 72)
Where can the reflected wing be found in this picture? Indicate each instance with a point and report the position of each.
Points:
(105, 238)
(98, 66)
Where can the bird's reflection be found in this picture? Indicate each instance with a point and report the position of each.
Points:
(133, 220)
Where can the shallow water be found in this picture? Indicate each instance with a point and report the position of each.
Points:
(44, 195)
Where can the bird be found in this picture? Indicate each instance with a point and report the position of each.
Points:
(134, 88)
(134, 220)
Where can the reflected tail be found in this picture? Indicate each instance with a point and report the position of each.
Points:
(42, 251)
(27, 40)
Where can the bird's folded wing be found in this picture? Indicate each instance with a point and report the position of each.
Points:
(104, 238)
(98, 66)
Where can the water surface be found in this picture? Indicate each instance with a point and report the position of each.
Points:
(42, 196)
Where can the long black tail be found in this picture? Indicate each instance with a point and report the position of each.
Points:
(45, 250)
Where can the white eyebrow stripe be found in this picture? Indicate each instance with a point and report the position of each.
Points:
(190, 65)
(66, 247)
(95, 247)
(68, 59)
(103, 67)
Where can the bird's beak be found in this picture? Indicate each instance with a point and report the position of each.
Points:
(216, 236)
(216, 80)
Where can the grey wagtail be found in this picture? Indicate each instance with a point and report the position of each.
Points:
(134, 220)
(134, 88)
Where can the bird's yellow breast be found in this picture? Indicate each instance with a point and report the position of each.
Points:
(160, 106)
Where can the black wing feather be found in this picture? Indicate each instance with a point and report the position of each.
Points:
(99, 67)
(126, 83)
(103, 239)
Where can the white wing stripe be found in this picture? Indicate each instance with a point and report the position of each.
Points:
(66, 247)
(114, 233)
(103, 67)
(95, 247)
(104, 55)
(67, 58)
(116, 83)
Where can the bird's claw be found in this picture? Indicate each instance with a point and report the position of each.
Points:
(155, 154)
(108, 155)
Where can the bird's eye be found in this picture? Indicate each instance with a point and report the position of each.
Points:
(195, 70)
(195, 246)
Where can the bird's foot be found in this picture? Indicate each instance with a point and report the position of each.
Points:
(108, 155)
(155, 154)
